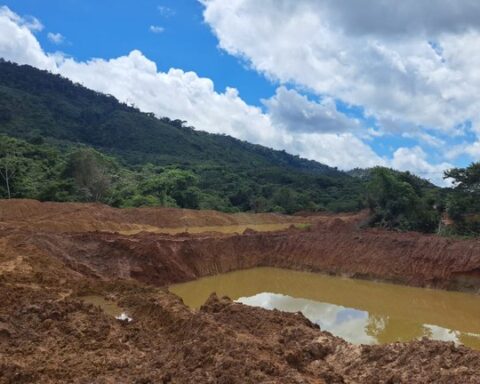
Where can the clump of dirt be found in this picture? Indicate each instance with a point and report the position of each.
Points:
(49, 335)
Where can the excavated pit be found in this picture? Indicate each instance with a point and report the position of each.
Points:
(53, 254)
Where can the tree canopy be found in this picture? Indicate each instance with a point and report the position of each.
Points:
(463, 203)
(402, 201)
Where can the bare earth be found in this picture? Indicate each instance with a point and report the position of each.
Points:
(52, 254)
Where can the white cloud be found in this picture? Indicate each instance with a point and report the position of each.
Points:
(425, 138)
(473, 150)
(17, 42)
(185, 95)
(344, 151)
(177, 94)
(55, 38)
(293, 111)
(156, 29)
(29, 22)
(407, 16)
(415, 160)
(409, 62)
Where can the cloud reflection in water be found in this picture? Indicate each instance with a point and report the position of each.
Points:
(353, 325)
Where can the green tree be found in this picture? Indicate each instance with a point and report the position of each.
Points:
(91, 172)
(395, 202)
(9, 165)
(463, 204)
(173, 185)
(286, 198)
(465, 179)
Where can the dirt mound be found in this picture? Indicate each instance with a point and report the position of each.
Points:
(48, 339)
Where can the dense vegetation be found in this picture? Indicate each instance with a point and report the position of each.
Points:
(403, 201)
(145, 160)
(60, 141)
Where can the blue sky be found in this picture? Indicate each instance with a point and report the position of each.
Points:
(112, 28)
(347, 83)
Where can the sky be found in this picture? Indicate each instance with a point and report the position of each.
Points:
(349, 83)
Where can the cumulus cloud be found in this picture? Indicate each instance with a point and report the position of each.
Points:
(19, 44)
(404, 17)
(29, 22)
(135, 79)
(295, 112)
(409, 62)
(415, 160)
(473, 149)
(56, 38)
(343, 150)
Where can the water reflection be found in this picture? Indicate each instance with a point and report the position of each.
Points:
(351, 324)
(358, 311)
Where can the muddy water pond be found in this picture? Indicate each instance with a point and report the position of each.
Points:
(359, 311)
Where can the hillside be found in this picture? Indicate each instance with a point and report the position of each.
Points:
(69, 143)
(49, 114)
(36, 103)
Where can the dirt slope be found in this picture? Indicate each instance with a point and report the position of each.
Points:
(332, 248)
(47, 335)
(78, 217)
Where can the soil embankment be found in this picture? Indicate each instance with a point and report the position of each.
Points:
(93, 239)
(412, 259)
(50, 254)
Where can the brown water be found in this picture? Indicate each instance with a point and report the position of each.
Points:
(226, 229)
(108, 306)
(356, 310)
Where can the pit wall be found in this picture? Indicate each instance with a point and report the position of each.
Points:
(336, 248)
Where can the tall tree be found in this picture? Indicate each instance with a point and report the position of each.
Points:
(463, 205)
(91, 172)
(8, 169)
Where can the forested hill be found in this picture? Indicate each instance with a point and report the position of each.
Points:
(35, 103)
(50, 114)
(64, 142)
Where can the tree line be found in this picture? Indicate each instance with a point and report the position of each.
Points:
(396, 200)
(44, 171)
(401, 201)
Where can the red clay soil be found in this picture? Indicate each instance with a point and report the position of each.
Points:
(47, 335)
(78, 217)
(334, 247)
